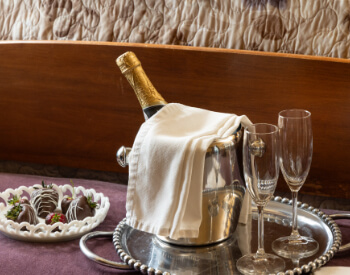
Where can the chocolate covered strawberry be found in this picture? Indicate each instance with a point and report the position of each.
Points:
(80, 208)
(44, 200)
(22, 213)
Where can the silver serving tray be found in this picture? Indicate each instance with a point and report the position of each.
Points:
(145, 252)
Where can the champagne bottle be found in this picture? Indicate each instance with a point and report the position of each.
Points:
(150, 100)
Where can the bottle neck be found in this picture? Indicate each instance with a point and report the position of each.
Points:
(150, 111)
(143, 88)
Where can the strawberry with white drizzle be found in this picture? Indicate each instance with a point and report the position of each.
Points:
(80, 208)
(44, 200)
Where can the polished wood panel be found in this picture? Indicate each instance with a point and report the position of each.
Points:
(67, 104)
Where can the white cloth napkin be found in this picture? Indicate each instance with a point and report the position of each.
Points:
(332, 270)
(166, 168)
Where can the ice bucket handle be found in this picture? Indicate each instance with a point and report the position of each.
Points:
(92, 256)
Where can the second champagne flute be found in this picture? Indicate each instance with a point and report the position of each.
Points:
(261, 171)
(296, 142)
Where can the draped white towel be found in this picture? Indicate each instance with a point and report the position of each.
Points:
(333, 270)
(166, 167)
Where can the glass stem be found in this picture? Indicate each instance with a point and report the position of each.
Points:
(295, 233)
(296, 262)
(261, 251)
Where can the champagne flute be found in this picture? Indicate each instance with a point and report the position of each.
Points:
(296, 143)
(261, 171)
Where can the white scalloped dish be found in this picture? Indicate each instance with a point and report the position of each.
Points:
(42, 232)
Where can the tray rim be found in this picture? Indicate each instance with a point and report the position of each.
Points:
(311, 266)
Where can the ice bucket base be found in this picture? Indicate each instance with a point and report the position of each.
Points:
(220, 213)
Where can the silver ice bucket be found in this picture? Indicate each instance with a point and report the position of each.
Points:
(223, 192)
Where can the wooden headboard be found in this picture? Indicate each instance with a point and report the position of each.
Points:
(67, 103)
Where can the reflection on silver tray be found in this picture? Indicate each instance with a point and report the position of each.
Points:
(145, 252)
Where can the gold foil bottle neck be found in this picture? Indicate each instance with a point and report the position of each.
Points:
(127, 61)
(131, 67)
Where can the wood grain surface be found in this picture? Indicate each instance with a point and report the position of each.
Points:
(67, 104)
